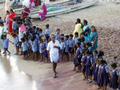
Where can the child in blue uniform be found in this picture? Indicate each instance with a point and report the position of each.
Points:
(101, 55)
(76, 39)
(83, 63)
(88, 67)
(77, 60)
(95, 70)
(24, 47)
(89, 47)
(34, 47)
(45, 53)
(16, 43)
(103, 75)
(62, 43)
(58, 35)
(67, 47)
(114, 77)
(119, 82)
(14, 25)
(47, 32)
(6, 44)
(41, 49)
(71, 45)
(106, 75)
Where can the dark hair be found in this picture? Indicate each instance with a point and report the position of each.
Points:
(88, 52)
(113, 65)
(76, 33)
(102, 62)
(85, 21)
(62, 35)
(82, 39)
(40, 30)
(11, 10)
(62, 39)
(58, 29)
(67, 36)
(14, 35)
(88, 44)
(96, 51)
(78, 20)
(78, 43)
(71, 35)
(23, 39)
(101, 53)
(94, 28)
(47, 25)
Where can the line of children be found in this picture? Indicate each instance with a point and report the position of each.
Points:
(33, 43)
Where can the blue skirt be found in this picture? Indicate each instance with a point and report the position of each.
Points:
(45, 54)
(88, 71)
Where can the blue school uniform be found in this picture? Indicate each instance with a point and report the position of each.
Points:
(35, 45)
(82, 44)
(58, 37)
(95, 57)
(119, 82)
(106, 75)
(47, 34)
(99, 76)
(24, 48)
(96, 68)
(66, 46)
(114, 79)
(41, 48)
(45, 53)
(71, 44)
(6, 43)
(76, 40)
(103, 78)
(14, 26)
(16, 42)
(88, 66)
(62, 44)
(90, 49)
(83, 61)
(77, 60)
(41, 34)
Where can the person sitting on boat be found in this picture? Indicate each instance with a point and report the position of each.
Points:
(43, 12)
(25, 12)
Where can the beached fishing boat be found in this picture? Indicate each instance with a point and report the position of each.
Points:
(61, 8)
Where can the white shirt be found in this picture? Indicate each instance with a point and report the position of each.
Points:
(54, 52)
(21, 34)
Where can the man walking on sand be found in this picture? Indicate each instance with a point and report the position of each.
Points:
(53, 48)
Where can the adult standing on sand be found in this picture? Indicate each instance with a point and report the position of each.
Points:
(53, 48)
(11, 16)
(78, 27)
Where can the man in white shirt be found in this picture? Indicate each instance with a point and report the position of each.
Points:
(53, 48)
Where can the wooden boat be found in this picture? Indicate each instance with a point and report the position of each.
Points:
(66, 10)
(2, 1)
(66, 6)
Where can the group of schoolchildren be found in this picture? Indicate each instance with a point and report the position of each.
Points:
(32, 42)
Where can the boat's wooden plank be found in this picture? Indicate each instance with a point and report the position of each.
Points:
(67, 10)
(38, 7)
